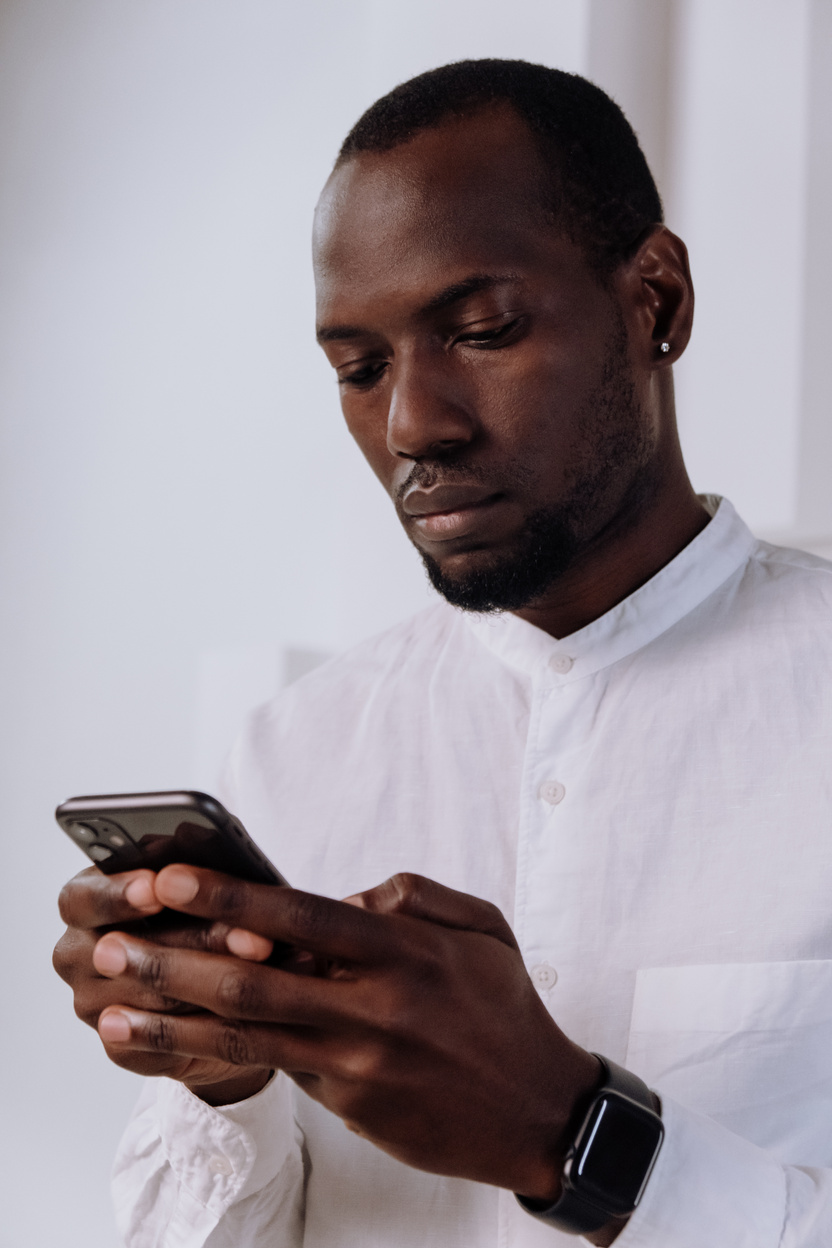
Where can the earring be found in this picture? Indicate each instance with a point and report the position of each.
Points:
(665, 347)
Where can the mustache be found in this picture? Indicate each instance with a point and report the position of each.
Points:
(424, 475)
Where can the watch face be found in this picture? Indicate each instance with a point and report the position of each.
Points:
(615, 1153)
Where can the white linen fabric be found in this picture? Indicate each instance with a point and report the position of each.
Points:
(648, 801)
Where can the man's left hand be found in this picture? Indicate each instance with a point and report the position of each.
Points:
(424, 1033)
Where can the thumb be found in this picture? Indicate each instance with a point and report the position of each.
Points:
(421, 898)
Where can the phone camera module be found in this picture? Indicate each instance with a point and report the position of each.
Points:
(102, 830)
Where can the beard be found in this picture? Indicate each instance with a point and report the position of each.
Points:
(546, 547)
(610, 476)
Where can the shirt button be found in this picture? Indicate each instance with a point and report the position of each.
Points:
(552, 791)
(561, 663)
(544, 976)
(219, 1164)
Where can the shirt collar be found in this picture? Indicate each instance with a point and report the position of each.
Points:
(705, 563)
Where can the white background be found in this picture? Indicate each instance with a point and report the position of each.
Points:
(183, 514)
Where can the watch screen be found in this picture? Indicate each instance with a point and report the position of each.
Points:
(615, 1153)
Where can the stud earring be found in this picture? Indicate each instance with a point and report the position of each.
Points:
(665, 347)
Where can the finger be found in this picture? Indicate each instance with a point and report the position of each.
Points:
(204, 1036)
(100, 994)
(72, 957)
(182, 931)
(140, 1061)
(247, 945)
(92, 992)
(313, 923)
(422, 898)
(226, 986)
(93, 899)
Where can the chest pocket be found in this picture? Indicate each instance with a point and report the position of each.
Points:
(750, 1045)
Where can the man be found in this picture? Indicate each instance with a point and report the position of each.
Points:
(620, 743)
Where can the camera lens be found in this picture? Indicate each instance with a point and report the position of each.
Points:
(105, 830)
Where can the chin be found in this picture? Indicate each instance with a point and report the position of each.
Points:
(509, 581)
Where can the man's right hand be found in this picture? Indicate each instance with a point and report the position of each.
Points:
(93, 903)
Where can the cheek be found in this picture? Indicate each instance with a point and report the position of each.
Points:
(367, 424)
(529, 407)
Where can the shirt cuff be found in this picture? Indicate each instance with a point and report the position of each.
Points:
(221, 1155)
(709, 1186)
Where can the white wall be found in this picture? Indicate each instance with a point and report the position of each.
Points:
(738, 190)
(175, 482)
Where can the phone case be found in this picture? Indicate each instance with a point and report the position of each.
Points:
(125, 831)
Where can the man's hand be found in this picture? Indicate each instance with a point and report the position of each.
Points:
(425, 1034)
(91, 904)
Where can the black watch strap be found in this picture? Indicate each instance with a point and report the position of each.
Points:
(572, 1211)
(617, 1079)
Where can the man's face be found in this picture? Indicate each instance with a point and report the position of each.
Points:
(483, 367)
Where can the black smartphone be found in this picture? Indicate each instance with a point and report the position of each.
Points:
(125, 831)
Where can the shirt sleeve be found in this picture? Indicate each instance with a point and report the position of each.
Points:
(188, 1175)
(712, 1188)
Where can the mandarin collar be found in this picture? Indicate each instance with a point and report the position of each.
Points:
(680, 586)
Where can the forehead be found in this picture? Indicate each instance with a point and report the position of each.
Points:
(463, 197)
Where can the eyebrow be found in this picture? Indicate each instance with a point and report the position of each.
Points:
(470, 286)
(454, 293)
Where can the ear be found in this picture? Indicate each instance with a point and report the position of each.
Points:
(656, 293)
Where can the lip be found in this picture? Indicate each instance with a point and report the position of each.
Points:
(446, 512)
(441, 499)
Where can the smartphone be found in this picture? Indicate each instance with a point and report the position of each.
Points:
(125, 831)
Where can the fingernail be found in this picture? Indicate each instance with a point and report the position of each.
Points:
(109, 957)
(177, 885)
(114, 1027)
(140, 894)
(248, 945)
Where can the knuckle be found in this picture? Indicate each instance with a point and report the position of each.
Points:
(211, 939)
(187, 934)
(67, 902)
(72, 956)
(62, 962)
(160, 1034)
(237, 994)
(235, 1044)
(228, 895)
(306, 914)
(406, 887)
(396, 894)
(153, 971)
(362, 1065)
(72, 896)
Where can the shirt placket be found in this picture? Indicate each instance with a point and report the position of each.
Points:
(552, 883)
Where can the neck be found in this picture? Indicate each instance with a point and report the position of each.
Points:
(627, 553)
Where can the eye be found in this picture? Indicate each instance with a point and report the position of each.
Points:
(363, 375)
(487, 336)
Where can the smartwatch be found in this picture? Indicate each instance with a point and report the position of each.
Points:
(610, 1158)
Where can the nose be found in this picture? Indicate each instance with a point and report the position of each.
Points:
(428, 413)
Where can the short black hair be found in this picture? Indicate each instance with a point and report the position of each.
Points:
(599, 187)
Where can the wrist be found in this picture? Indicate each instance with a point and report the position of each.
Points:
(608, 1162)
(542, 1179)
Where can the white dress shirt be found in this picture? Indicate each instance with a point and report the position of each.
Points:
(648, 801)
